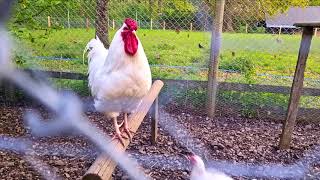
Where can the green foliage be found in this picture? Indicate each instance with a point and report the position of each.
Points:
(275, 6)
(19, 59)
(314, 2)
(165, 46)
(177, 11)
(26, 10)
(129, 9)
(244, 65)
(260, 30)
(247, 103)
(169, 48)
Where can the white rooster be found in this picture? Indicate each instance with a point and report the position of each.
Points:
(120, 76)
(199, 171)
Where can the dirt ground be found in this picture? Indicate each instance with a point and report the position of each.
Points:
(231, 139)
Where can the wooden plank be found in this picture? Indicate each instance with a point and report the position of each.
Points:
(103, 167)
(226, 86)
(223, 86)
(307, 24)
(296, 89)
(154, 121)
(58, 74)
(214, 57)
(270, 112)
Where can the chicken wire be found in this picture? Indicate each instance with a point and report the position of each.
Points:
(188, 94)
(176, 37)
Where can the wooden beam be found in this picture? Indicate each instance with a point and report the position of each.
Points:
(296, 89)
(308, 24)
(224, 86)
(58, 74)
(103, 166)
(214, 57)
(154, 121)
(239, 87)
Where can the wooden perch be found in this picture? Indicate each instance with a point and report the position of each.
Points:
(103, 166)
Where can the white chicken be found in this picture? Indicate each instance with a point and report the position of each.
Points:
(120, 76)
(199, 171)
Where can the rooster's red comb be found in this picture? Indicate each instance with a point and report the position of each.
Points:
(132, 24)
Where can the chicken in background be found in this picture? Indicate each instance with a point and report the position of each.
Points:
(177, 30)
(119, 77)
(199, 171)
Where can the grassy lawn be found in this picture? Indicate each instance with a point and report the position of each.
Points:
(268, 53)
(256, 53)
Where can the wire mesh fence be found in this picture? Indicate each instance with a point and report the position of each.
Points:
(259, 45)
(256, 65)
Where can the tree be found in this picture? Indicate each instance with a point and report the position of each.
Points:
(102, 21)
(239, 12)
(314, 3)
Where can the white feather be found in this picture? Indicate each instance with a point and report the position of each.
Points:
(117, 81)
(199, 172)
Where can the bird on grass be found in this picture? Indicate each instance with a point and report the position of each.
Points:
(199, 171)
(200, 46)
(119, 77)
(177, 30)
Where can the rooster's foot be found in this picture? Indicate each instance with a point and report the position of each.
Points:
(128, 131)
(120, 137)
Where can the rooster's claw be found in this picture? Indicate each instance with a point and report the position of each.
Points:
(119, 137)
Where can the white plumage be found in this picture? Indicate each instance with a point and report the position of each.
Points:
(117, 80)
(199, 171)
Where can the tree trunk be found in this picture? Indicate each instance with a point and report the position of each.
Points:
(159, 6)
(102, 21)
(151, 8)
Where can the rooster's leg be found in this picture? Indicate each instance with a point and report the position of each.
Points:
(126, 127)
(118, 134)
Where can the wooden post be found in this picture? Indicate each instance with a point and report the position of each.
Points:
(49, 22)
(151, 24)
(9, 91)
(315, 31)
(280, 31)
(108, 22)
(214, 57)
(296, 88)
(113, 24)
(68, 18)
(164, 25)
(191, 26)
(246, 28)
(154, 121)
(136, 16)
(103, 166)
(102, 28)
(87, 24)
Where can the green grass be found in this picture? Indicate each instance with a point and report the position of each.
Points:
(249, 54)
(173, 49)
